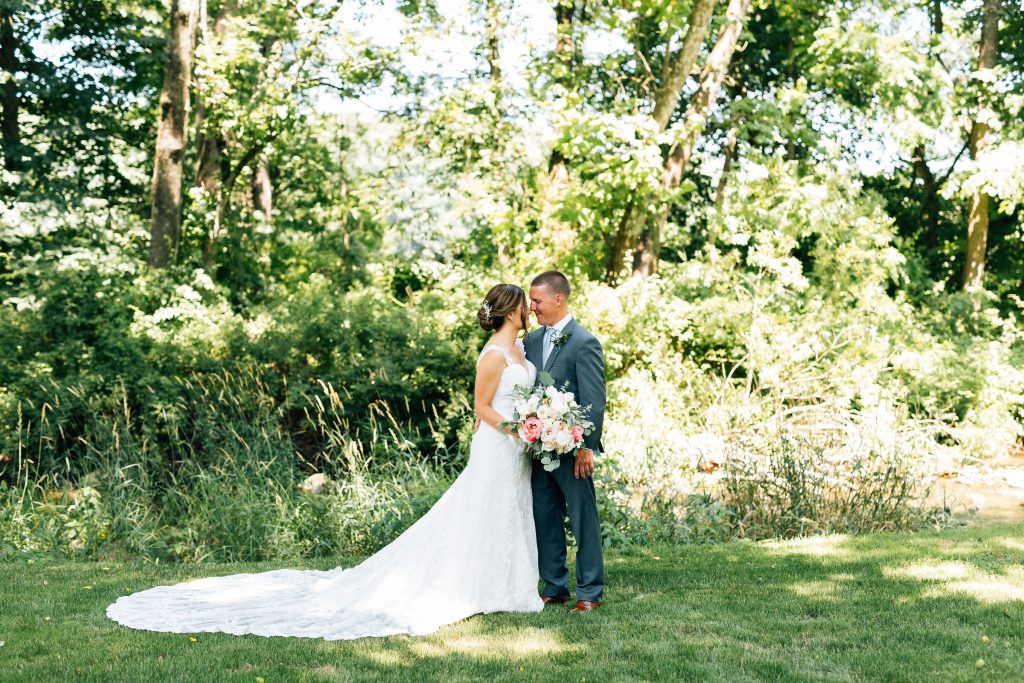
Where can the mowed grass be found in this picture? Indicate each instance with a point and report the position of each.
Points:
(945, 606)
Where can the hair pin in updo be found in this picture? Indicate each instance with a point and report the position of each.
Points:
(486, 309)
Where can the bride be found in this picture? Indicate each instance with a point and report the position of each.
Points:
(473, 552)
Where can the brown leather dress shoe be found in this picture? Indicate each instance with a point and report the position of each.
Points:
(548, 600)
(584, 606)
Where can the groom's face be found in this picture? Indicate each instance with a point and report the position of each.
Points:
(546, 305)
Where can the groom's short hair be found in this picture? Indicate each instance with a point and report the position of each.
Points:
(553, 280)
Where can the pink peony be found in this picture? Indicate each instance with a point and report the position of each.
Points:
(531, 429)
(577, 433)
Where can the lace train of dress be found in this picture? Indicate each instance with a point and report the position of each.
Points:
(473, 552)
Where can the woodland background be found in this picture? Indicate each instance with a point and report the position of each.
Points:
(243, 243)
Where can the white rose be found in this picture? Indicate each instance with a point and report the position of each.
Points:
(558, 405)
(551, 392)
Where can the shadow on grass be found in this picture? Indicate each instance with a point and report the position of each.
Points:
(930, 606)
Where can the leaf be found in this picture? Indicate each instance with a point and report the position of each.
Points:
(686, 187)
(546, 379)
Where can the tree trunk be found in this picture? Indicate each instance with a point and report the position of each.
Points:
(11, 134)
(565, 51)
(492, 45)
(682, 63)
(223, 197)
(711, 81)
(262, 185)
(732, 137)
(645, 262)
(209, 153)
(263, 204)
(209, 147)
(213, 164)
(977, 218)
(790, 115)
(262, 189)
(930, 210)
(212, 168)
(171, 139)
(666, 100)
(730, 155)
(556, 233)
(565, 42)
(491, 31)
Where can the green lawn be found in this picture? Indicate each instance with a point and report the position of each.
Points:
(927, 607)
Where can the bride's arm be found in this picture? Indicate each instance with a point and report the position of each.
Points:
(488, 375)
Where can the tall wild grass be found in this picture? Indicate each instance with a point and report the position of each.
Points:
(225, 485)
(224, 477)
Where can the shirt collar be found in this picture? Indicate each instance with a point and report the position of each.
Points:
(560, 325)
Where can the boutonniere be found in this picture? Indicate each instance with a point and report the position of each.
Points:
(560, 338)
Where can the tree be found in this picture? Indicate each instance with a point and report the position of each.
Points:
(977, 219)
(263, 188)
(209, 143)
(256, 70)
(171, 140)
(561, 232)
(262, 184)
(645, 260)
(9, 63)
(677, 70)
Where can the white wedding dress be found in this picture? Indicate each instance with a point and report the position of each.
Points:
(474, 551)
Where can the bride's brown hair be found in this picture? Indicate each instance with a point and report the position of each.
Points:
(499, 302)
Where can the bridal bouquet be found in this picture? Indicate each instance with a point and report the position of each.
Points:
(549, 421)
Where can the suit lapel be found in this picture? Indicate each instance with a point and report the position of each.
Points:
(555, 351)
(533, 350)
(533, 346)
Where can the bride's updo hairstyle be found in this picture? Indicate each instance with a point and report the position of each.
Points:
(499, 302)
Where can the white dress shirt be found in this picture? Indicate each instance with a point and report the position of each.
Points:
(549, 333)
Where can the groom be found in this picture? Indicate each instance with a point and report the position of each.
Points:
(570, 354)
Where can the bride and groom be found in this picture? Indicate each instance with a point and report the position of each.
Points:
(479, 549)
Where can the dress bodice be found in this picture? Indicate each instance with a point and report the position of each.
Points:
(513, 374)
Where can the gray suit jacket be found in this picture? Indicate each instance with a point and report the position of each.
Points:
(580, 363)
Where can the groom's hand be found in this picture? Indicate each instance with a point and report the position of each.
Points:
(584, 463)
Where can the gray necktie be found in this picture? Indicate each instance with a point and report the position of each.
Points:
(548, 346)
